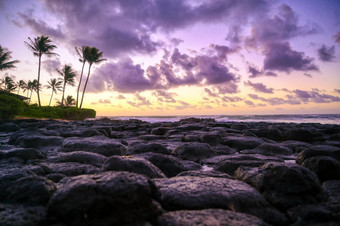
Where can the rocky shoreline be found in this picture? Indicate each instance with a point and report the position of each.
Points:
(191, 172)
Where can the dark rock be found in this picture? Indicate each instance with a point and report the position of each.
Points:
(211, 138)
(190, 138)
(151, 137)
(109, 198)
(239, 126)
(28, 140)
(325, 150)
(270, 132)
(55, 177)
(269, 149)
(200, 173)
(224, 150)
(229, 166)
(192, 193)
(169, 165)
(282, 184)
(208, 217)
(296, 146)
(8, 127)
(99, 144)
(81, 157)
(13, 215)
(306, 134)
(80, 133)
(70, 168)
(241, 143)
(325, 167)
(332, 190)
(132, 164)
(32, 190)
(24, 153)
(150, 147)
(195, 151)
(159, 131)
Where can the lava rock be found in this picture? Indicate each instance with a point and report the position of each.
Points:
(81, 157)
(325, 167)
(325, 150)
(332, 189)
(241, 143)
(269, 149)
(200, 173)
(150, 147)
(195, 151)
(23, 215)
(24, 153)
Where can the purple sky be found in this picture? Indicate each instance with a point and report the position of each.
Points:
(188, 56)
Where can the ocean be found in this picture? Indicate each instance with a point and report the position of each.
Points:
(286, 118)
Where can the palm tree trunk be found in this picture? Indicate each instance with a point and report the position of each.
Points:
(51, 98)
(62, 99)
(39, 80)
(87, 79)
(30, 97)
(81, 77)
(18, 90)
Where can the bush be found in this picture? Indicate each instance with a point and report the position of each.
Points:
(69, 113)
(10, 106)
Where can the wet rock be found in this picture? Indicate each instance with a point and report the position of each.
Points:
(23, 153)
(190, 138)
(13, 215)
(195, 151)
(55, 177)
(269, 149)
(282, 184)
(80, 133)
(8, 127)
(70, 168)
(208, 217)
(241, 143)
(325, 167)
(99, 144)
(132, 164)
(191, 193)
(296, 146)
(169, 165)
(81, 157)
(239, 126)
(200, 173)
(324, 150)
(32, 190)
(159, 131)
(150, 147)
(270, 132)
(332, 190)
(151, 137)
(109, 198)
(211, 138)
(306, 134)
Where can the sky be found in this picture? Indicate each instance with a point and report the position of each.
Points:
(185, 57)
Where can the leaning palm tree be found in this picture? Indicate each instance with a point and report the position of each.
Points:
(91, 56)
(39, 46)
(5, 55)
(21, 84)
(9, 84)
(70, 101)
(55, 85)
(68, 78)
(81, 53)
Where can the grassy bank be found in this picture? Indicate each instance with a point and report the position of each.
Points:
(11, 107)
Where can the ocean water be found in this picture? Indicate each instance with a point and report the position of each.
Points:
(286, 118)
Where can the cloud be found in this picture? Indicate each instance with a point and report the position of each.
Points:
(271, 101)
(280, 57)
(337, 37)
(105, 101)
(326, 54)
(51, 65)
(231, 99)
(139, 101)
(121, 97)
(337, 90)
(254, 72)
(259, 87)
(183, 105)
(163, 96)
(315, 96)
(249, 103)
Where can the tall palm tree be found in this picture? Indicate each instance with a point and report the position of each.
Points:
(92, 56)
(39, 46)
(70, 101)
(81, 53)
(68, 78)
(55, 85)
(5, 55)
(33, 86)
(9, 84)
(21, 84)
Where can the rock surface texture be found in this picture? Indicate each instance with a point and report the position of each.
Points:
(189, 172)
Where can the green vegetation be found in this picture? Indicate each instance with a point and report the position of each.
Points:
(10, 106)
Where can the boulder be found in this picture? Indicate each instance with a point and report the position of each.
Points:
(9, 127)
(194, 151)
(285, 185)
(197, 193)
(70, 168)
(325, 167)
(24, 153)
(23, 215)
(159, 131)
(81, 157)
(201, 173)
(325, 150)
(332, 190)
(211, 138)
(241, 143)
(33, 138)
(208, 217)
(269, 149)
(98, 144)
(80, 133)
(150, 147)
(132, 164)
(296, 146)
(109, 198)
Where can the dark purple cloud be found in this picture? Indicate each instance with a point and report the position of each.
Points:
(139, 101)
(271, 101)
(315, 96)
(164, 96)
(231, 99)
(259, 87)
(210, 92)
(280, 57)
(337, 90)
(326, 54)
(51, 65)
(254, 72)
(337, 37)
(249, 103)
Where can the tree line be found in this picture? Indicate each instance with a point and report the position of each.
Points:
(42, 45)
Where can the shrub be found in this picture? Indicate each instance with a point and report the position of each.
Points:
(69, 113)
(10, 106)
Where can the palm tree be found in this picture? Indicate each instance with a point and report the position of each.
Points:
(68, 78)
(9, 84)
(55, 85)
(81, 53)
(91, 56)
(33, 86)
(70, 101)
(39, 46)
(5, 55)
(21, 84)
